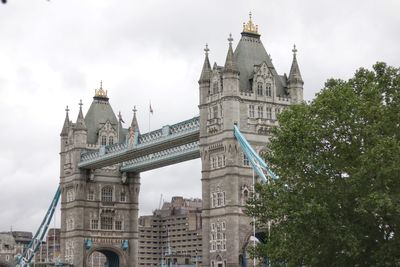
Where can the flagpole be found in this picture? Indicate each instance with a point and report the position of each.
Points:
(119, 125)
(150, 110)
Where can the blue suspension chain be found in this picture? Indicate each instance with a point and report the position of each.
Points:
(37, 240)
(257, 163)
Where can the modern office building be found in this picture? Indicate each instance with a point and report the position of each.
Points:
(172, 234)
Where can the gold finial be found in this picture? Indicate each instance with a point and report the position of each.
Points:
(100, 92)
(249, 26)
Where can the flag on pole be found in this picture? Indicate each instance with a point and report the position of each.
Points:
(120, 117)
(151, 109)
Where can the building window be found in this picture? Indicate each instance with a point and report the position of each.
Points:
(213, 200)
(103, 140)
(94, 224)
(277, 112)
(268, 91)
(69, 252)
(122, 197)
(70, 195)
(118, 225)
(260, 110)
(251, 111)
(215, 112)
(269, 113)
(106, 223)
(219, 161)
(110, 140)
(90, 195)
(215, 87)
(213, 163)
(245, 160)
(220, 201)
(106, 194)
(259, 89)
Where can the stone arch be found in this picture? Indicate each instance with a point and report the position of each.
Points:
(4, 264)
(115, 256)
(261, 236)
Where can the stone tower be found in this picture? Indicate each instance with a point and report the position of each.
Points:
(99, 208)
(247, 91)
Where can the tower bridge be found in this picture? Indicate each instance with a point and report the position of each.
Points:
(101, 161)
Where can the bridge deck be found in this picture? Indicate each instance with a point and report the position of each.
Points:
(168, 145)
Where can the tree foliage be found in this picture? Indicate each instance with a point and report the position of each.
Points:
(337, 202)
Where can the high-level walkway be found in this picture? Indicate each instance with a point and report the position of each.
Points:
(168, 145)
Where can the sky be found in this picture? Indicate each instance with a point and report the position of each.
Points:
(54, 53)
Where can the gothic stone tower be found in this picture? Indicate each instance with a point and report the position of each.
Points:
(99, 208)
(247, 91)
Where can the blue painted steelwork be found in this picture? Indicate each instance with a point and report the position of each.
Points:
(257, 163)
(169, 136)
(163, 158)
(125, 245)
(37, 240)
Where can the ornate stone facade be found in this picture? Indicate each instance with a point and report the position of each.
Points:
(99, 208)
(246, 91)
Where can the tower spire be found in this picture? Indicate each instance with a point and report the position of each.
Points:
(134, 123)
(80, 121)
(295, 75)
(64, 131)
(205, 72)
(230, 65)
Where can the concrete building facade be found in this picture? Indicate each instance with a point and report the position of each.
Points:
(172, 235)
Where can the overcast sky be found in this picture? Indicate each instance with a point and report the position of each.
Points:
(53, 54)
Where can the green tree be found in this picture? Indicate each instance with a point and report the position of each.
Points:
(337, 201)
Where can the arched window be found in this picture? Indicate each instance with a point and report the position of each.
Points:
(110, 140)
(259, 89)
(107, 194)
(260, 110)
(268, 91)
(103, 140)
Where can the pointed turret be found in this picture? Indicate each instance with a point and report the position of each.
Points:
(64, 131)
(230, 63)
(295, 75)
(80, 121)
(134, 123)
(206, 71)
(133, 131)
(295, 81)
